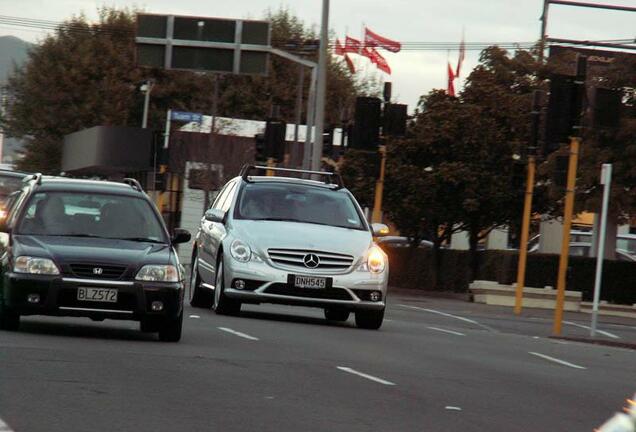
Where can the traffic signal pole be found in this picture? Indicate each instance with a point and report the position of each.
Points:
(525, 229)
(379, 188)
(575, 143)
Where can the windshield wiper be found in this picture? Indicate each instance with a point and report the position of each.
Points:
(74, 235)
(140, 239)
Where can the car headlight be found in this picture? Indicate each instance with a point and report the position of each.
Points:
(240, 251)
(375, 262)
(158, 273)
(32, 265)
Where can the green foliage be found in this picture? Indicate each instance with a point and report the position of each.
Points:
(85, 75)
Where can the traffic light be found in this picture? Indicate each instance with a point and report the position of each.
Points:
(275, 139)
(366, 129)
(565, 107)
(518, 175)
(259, 153)
(606, 108)
(327, 143)
(394, 119)
(560, 176)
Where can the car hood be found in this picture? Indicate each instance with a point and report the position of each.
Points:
(66, 250)
(263, 235)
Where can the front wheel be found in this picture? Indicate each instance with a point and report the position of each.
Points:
(199, 297)
(369, 319)
(222, 304)
(170, 331)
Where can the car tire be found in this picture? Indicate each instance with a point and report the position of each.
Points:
(222, 304)
(199, 297)
(369, 319)
(170, 331)
(337, 314)
(9, 320)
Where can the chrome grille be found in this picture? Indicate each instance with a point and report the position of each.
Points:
(297, 257)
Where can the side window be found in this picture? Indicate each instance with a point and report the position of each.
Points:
(221, 196)
(16, 206)
(225, 205)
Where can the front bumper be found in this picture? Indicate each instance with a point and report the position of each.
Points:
(58, 297)
(268, 284)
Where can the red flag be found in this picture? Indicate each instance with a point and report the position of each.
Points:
(375, 40)
(380, 61)
(339, 49)
(451, 79)
(350, 65)
(367, 52)
(462, 55)
(352, 45)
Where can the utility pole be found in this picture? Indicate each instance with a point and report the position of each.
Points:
(299, 102)
(575, 144)
(527, 205)
(146, 88)
(321, 87)
(544, 28)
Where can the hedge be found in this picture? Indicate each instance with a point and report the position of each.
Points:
(414, 268)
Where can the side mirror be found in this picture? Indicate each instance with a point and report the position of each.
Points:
(215, 215)
(379, 229)
(180, 236)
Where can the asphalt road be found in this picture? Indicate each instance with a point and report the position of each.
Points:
(435, 365)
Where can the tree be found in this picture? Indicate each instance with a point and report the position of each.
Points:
(85, 75)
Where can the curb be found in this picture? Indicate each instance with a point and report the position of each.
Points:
(603, 342)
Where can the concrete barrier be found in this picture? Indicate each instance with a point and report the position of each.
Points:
(611, 309)
(493, 293)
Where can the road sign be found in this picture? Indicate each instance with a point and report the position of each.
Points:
(203, 44)
(187, 117)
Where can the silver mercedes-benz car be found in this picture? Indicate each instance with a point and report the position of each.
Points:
(287, 240)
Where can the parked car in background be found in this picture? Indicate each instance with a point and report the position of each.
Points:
(625, 243)
(400, 242)
(285, 240)
(583, 249)
(91, 249)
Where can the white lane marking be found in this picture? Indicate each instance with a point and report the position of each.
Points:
(4, 427)
(453, 408)
(239, 334)
(608, 334)
(447, 331)
(468, 320)
(556, 360)
(195, 316)
(363, 375)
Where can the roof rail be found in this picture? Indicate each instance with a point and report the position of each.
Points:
(133, 183)
(37, 177)
(330, 178)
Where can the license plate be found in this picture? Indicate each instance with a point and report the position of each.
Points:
(311, 282)
(108, 295)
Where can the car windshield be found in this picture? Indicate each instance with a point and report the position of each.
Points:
(296, 203)
(90, 215)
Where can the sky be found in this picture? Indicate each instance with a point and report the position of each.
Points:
(414, 73)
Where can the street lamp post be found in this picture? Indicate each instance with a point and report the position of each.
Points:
(146, 88)
(321, 87)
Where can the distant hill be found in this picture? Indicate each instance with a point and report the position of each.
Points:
(12, 50)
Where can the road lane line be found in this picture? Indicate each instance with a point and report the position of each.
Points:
(236, 333)
(556, 360)
(608, 334)
(363, 375)
(194, 316)
(447, 331)
(468, 320)
(4, 427)
(453, 408)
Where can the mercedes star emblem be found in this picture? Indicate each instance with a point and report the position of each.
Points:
(311, 261)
